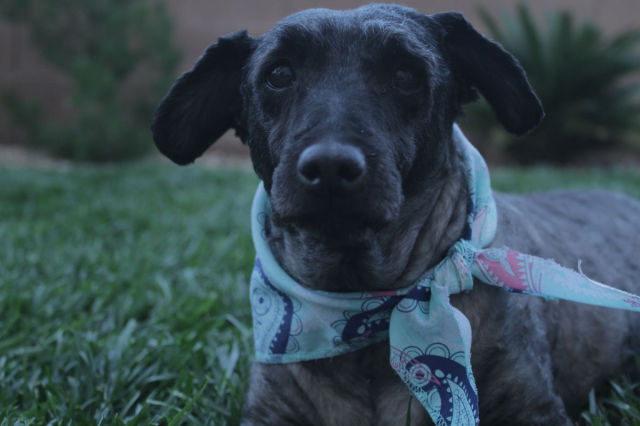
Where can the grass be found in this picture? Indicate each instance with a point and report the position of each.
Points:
(124, 293)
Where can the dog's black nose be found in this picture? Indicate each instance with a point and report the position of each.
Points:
(331, 166)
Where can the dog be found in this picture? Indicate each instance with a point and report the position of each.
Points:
(348, 116)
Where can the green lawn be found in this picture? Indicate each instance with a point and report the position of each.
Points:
(124, 293)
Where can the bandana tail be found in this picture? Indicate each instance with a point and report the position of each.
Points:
(523, 273)
(431, 352)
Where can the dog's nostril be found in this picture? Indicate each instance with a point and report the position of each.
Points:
(331, 166)
(350, 171)
(310, 170)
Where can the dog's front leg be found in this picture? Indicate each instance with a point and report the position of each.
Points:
(308, 393)
(526, 399)
(276, 398)
(511, 355)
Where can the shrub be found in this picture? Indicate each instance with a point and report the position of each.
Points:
(584, 80)
(120, 57)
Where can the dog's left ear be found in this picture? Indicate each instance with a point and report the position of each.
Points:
(204, 102)
(484, 64)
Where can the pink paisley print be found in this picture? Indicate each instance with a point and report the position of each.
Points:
(507, 268)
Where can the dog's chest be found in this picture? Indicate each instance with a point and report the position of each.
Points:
(357, 388)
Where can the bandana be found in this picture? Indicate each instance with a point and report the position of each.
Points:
(430, 340)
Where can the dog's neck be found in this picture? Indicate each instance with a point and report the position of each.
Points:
(428, 224)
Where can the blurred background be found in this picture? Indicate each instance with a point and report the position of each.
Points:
(79, 79)
(124, 283)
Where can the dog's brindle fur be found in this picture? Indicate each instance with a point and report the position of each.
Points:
(390, 82)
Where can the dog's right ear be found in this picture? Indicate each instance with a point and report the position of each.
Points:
(498, 75)
(205, 102)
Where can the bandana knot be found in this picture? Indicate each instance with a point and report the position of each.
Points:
(455, 270)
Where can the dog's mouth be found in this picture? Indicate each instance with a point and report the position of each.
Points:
(338, 237)
(338, 220)
(343, 228)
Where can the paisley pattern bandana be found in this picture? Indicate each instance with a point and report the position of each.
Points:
(430, 339)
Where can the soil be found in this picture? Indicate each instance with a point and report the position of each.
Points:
(228, 151)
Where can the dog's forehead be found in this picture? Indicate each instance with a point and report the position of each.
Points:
(373, 25)
(354, 18)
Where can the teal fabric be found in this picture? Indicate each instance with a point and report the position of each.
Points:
(430, 340)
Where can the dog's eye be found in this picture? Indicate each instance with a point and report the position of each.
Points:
(280, 77)
(406, 81)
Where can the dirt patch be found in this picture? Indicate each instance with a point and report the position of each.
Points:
(227, 152)
(20, 156)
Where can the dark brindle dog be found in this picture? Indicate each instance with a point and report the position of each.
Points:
(348, 116)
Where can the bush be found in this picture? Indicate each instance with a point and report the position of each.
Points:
(120, 57)
(584, 80)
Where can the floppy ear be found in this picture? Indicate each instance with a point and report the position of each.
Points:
(205, 102)
(484, 64)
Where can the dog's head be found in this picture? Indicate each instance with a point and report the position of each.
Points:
(346, 114)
